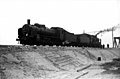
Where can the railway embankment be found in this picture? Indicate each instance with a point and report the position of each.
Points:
(44, 62)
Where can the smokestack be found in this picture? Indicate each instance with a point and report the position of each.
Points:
(28, 21)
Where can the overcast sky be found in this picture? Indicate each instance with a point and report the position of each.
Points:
(75, 16)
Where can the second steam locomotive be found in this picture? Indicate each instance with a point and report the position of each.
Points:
(38, 34)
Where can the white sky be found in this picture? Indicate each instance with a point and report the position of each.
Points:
(72, 15)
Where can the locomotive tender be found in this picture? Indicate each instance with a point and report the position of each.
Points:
(38, 34)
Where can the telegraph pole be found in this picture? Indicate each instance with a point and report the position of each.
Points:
(112, 37)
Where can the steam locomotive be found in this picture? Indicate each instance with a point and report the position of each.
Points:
(38, 34)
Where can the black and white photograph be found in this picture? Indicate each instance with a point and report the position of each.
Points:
(59, 39)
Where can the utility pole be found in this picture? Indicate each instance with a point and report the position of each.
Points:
(112, 37)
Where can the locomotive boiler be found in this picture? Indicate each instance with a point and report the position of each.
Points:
(39, 34)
